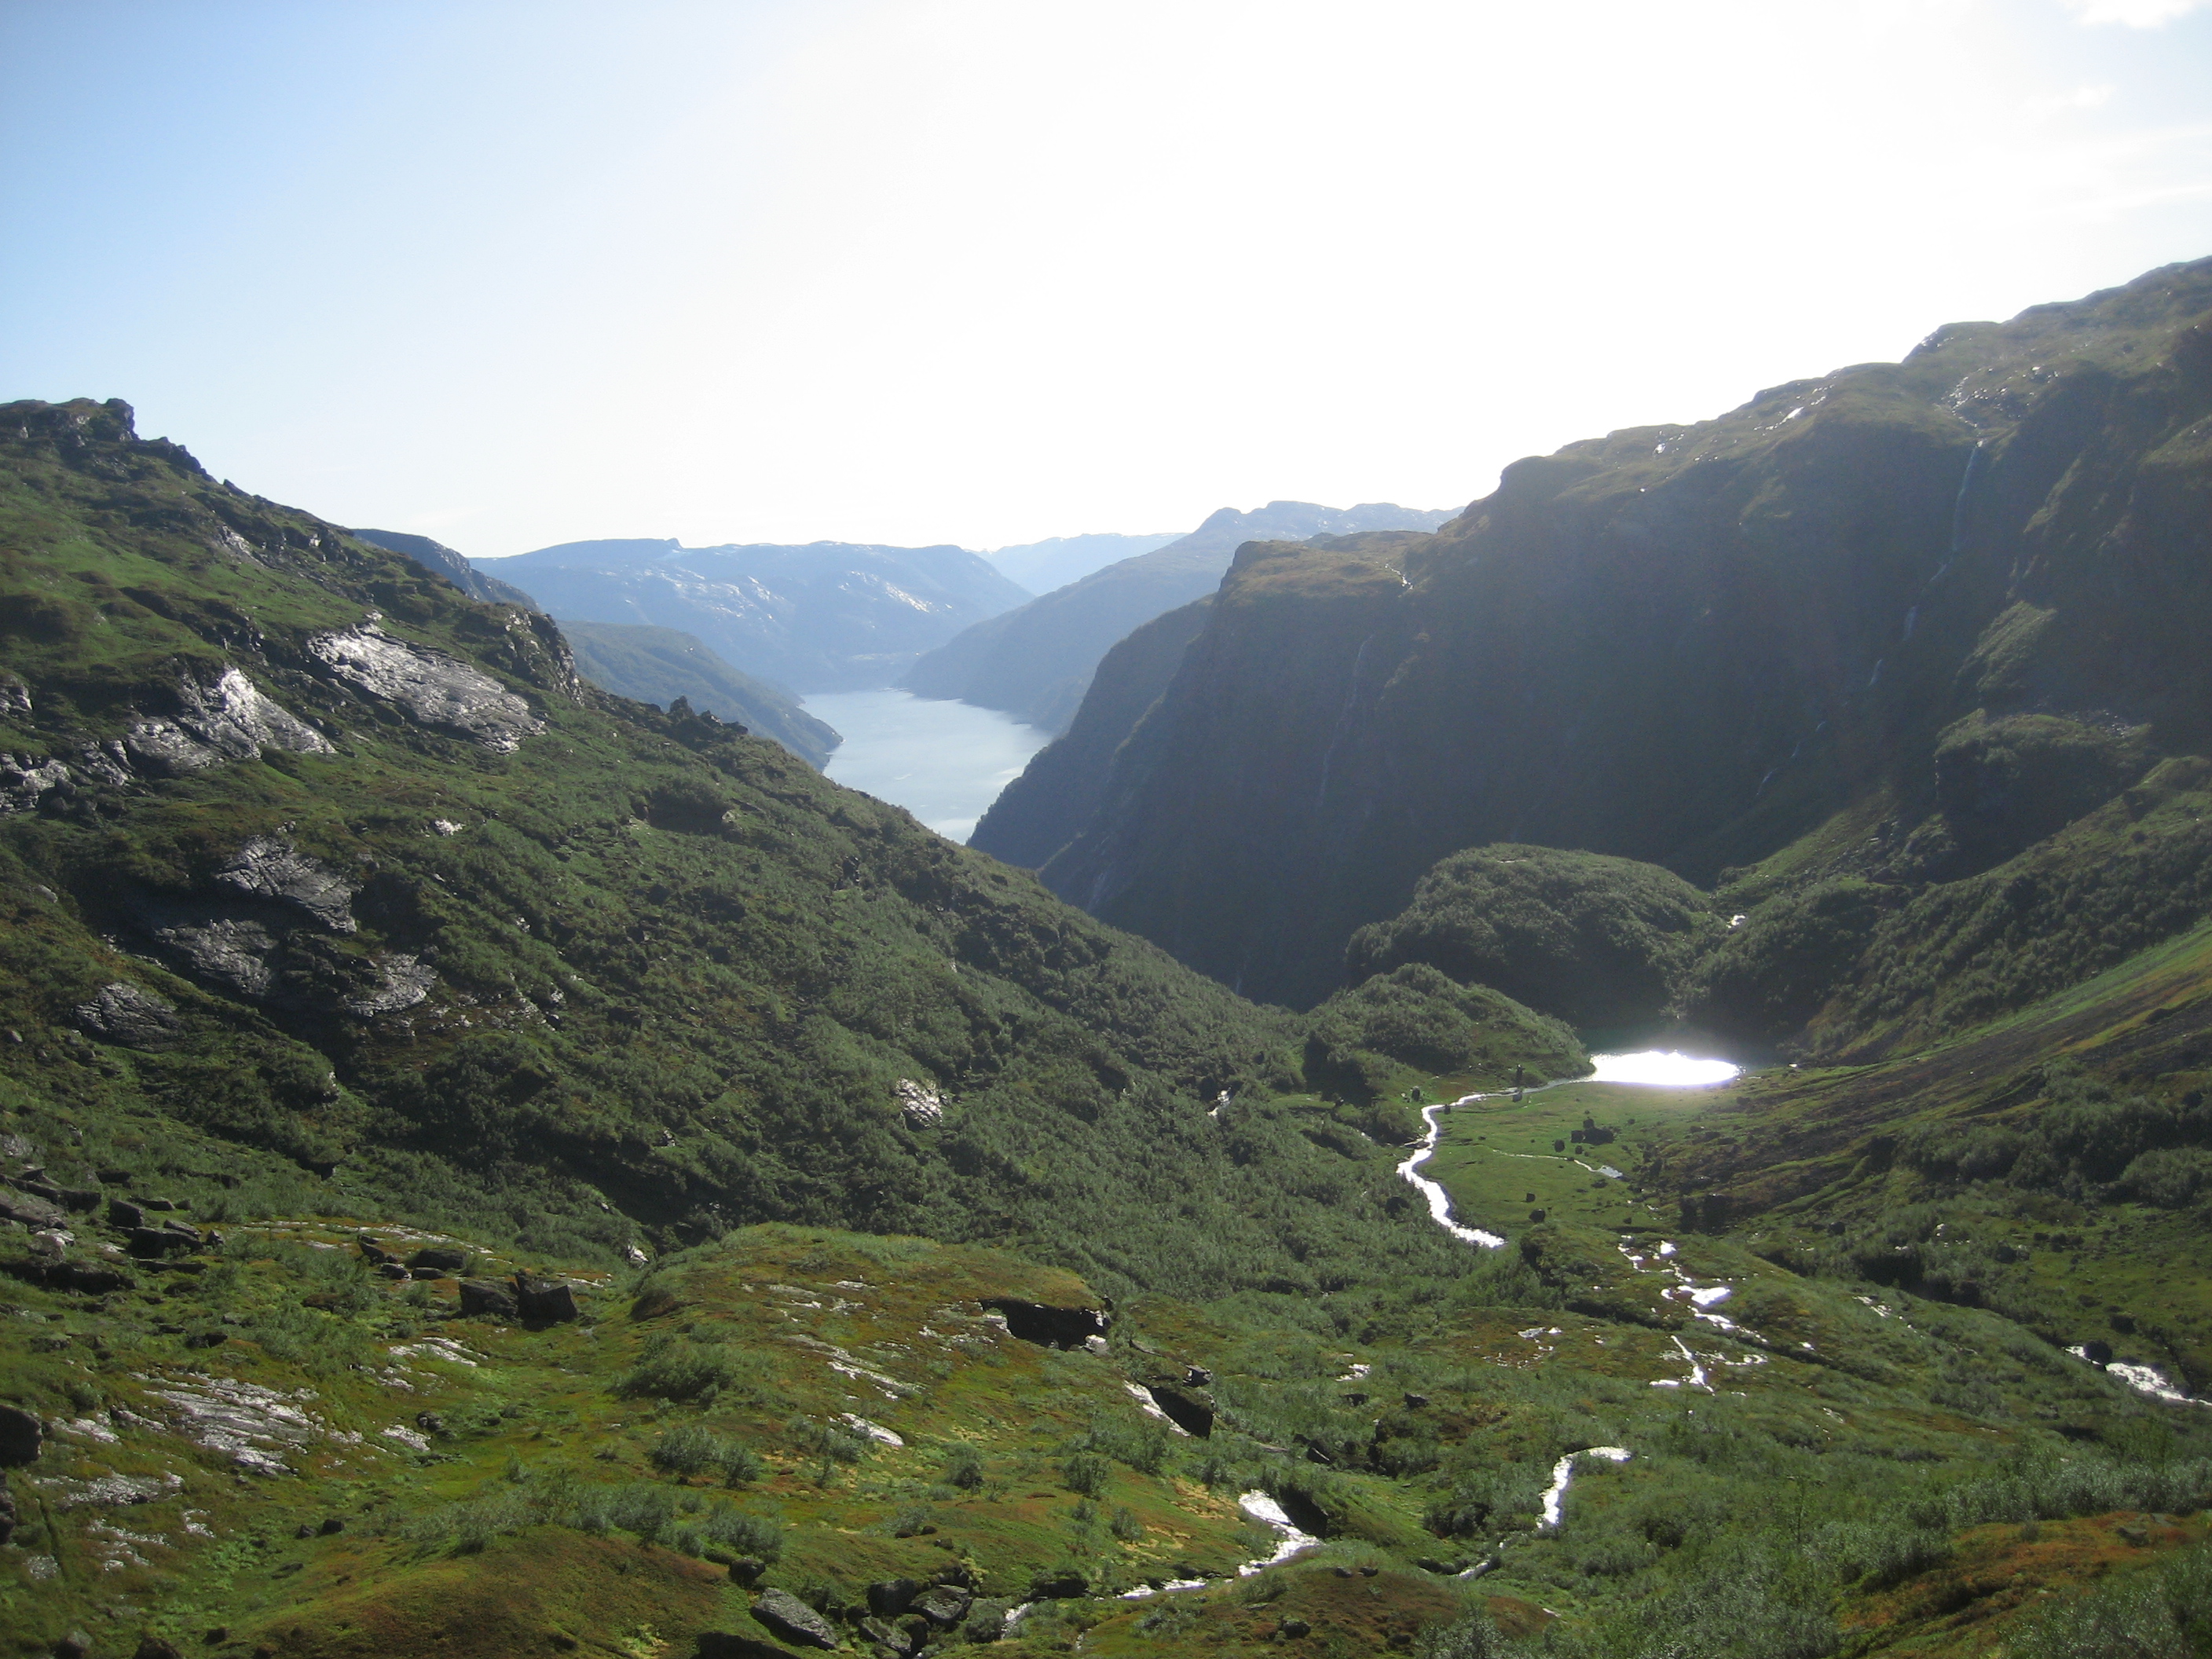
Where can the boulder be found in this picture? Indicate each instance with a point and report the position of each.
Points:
(544, 1301)
(890, 1597)
(793, 1620)
(156, 1647)
(888, 1635)
(22, 1434)
(437, 1261)
(487, 1298)
(1065, 1585)
(944, 1606)
(1187, 1409)
(151, 1244)
(32, 1211)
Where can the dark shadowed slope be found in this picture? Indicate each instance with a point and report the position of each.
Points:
(1036, 662)
(1941, 607)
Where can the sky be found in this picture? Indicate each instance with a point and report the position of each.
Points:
(513, 272)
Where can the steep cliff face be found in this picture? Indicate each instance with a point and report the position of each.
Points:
(1694, 645)
(1065, 782)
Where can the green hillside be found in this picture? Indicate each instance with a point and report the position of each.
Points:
(659, 665)
(492, 1167)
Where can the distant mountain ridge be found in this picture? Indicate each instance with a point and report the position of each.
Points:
(454, 567)
(1058, 560)
(824, 616)
(1036, 662)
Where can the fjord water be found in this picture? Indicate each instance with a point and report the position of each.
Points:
(943, 762)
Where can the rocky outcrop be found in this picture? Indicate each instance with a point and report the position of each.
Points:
(223, 716)
(922, 1106)
(430, 686)
(269, 867)
(132, 1016)
(1047, 1326)
(452, 565)
(219, 715)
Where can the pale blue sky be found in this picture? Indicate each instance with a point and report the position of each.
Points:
(990, 271)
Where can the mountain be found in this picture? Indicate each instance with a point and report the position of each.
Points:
(1035, 662)
(660, 666)
(489, 1167)
(826, 617)
(1043, 566)
(652, 664)
(456, 568)
(1905, 658)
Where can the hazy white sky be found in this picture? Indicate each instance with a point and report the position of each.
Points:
(990, 270)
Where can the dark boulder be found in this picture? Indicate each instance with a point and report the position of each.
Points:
(2097, 1353)
(486, 1298)
(22, 1434)
(1064, 1585)
(1047, 1326)
(122, 1212)
(1187, 1409)
(793, 1620)
(151, 1244)
(544, 1301)
(890, 1597)
(437, 1261)
(80, 1199)
(87, 1278)
(156, 1647)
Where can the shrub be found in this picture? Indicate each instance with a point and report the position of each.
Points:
(694, 1449)
(1085, 1472)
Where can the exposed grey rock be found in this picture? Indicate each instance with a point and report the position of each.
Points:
(432, 687)
(223, 717)
(126, 1013)
(923, 1107)
(236, 952)
(15, 695)
(946, 1605)
(791, 1619)
(26, 781)
(271, 867)
(401, 980)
